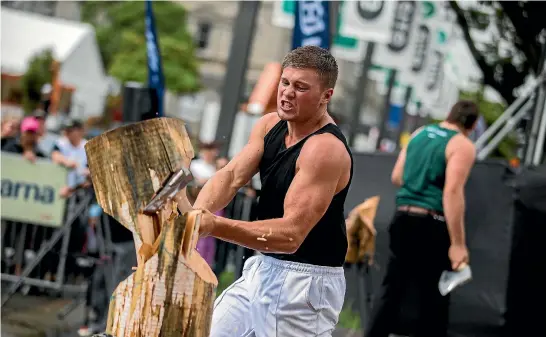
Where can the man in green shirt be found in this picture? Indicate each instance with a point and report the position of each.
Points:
(427, 233)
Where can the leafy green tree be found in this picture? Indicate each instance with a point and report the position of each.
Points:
(39, 72)
(515, 48)
(120, 27)
(491, 111)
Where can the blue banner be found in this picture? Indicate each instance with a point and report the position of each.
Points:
(312, 24)
(156, 79)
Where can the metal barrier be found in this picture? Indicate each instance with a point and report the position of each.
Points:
(25, 258)
(74, 211)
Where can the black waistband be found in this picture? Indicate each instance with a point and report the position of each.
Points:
(435, 215)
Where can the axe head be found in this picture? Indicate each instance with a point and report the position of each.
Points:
(452, 279)
(177, 181)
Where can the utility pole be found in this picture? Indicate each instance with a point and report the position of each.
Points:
(234, 80)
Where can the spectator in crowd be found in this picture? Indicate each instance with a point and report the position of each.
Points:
(204, 167)
(69, 151)
(26, 143)
(46, 139)
(202, 170)
(40, 116)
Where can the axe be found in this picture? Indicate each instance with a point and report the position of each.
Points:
(452, 279)
(176, 183)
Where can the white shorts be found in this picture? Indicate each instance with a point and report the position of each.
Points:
(275, 298)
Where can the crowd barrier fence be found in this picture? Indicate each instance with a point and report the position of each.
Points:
(44, 243)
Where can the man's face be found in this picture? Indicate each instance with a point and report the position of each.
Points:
(74, 135)
(301, 94)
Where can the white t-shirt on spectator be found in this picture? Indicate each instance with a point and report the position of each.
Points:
(200, 169)
(77, 154)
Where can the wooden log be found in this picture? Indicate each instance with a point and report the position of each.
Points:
(172, 291)
(172, 294)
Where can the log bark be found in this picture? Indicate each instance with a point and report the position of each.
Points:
(172, 291)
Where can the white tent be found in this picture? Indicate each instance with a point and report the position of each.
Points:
(74, 45)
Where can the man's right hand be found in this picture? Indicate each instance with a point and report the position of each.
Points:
(458, 255)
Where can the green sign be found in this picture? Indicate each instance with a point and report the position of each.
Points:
(30, 191)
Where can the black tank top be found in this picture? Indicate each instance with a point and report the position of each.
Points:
(326, 244)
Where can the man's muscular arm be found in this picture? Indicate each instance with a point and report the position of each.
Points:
(222, 187)
(460, 153)
(323, 161)
(398, 169)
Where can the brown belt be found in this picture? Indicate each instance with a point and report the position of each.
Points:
(419, 210)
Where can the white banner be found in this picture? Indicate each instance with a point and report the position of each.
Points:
(397, 51)
(368, 20)
(433, 37)
(448, 95)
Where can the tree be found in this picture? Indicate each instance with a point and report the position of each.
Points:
(119, 28)
(39, 72)
(515, 49)
(507, 148)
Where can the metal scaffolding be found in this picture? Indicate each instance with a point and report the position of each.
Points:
(507, 122)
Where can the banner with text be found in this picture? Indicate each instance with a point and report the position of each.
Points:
(397, 52)
(434, 34)
(30, 191)
(312, 25)
(368, 20)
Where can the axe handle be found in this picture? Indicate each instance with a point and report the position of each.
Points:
(182, 202)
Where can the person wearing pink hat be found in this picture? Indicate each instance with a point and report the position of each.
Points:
(26, 143)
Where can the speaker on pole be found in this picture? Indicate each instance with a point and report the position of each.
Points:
(139, 103)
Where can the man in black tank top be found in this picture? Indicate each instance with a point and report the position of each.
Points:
(296, 287)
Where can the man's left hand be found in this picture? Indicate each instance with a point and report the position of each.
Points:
(206, 225)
